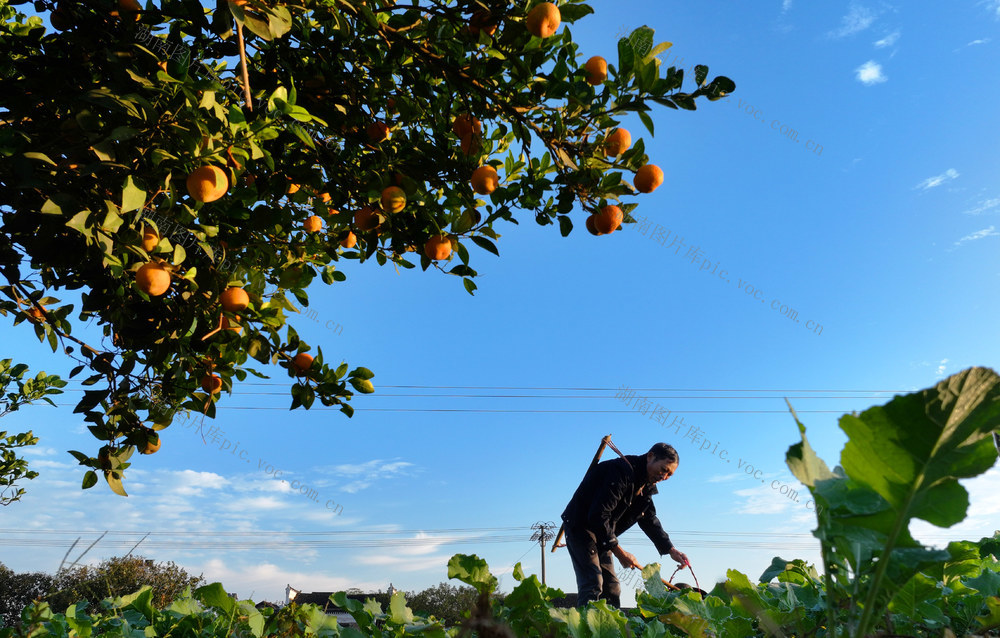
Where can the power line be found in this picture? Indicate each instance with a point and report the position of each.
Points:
(513, 411)
(550, 396)
(585, 389)
(276, 532)
(480, 393)
(281, 540)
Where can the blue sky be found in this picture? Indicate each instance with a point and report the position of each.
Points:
(882, 231)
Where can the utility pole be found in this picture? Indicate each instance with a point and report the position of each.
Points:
(543, 534)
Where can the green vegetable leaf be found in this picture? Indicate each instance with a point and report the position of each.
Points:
(472, 570)
(215, 595)
(398, 611)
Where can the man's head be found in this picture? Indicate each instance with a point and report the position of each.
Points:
(661, 462)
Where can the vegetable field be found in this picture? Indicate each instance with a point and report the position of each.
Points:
(902, 461)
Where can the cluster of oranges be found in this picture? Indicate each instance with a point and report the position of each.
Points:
(209, 183)
(647, 179)
(543, 21)
(204, 184)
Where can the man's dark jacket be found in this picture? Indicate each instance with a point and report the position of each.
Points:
(606, 503)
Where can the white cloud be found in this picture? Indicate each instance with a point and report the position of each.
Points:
(762, 501)
(255, 504)
(941, 368)
(786, 5)
(888, 40)
(403, 564)
(857, 19)
(50, 465)
(980, 41)
(993, 5)
(984, 206)
(937, 180)
(428, 547)
(363, 475)
(979, 234)
(39, 451)
(191, 483)
(870, 73)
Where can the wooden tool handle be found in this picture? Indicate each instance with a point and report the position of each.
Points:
(597, 458)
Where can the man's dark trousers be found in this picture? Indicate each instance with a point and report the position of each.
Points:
(595, 571)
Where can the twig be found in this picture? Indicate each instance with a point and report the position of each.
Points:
(63, 561)
(136, 545)
(87, 550)
(243, 67)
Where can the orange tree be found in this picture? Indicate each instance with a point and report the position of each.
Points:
(141, 172)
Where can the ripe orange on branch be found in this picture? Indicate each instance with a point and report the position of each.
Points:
(438, 247)
(378, 132)
(127, 10)
(617, 143)
(234, 299)
(150, 238)
(393, 199)
(153, 278)
(211, 383)
(301, 363)
(592, 226)
(35, 315)
(597, 70)
(366, 219)
(207, 184)
(608, 219)
(472, 144)
(350, 241)
(313, 224)
(61, 19)
(648, 178)
(485, 180)
(466, 124)
(482, 20)
(152, 443)
(543, 20)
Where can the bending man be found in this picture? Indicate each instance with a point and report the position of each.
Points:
(614, 496)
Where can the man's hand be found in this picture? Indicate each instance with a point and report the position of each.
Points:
(626, 559)
(679, 556)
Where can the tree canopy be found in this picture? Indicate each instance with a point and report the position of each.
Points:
(446, 602)
(113, 577)
(14, 468)
(184, 173)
